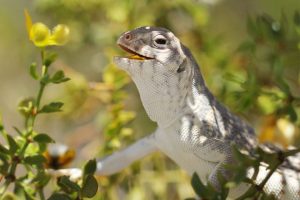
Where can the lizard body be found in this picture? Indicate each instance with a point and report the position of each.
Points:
(193, 128)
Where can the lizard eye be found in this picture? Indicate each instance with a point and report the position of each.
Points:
(160, 41)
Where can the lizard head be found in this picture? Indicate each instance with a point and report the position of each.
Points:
(161, 68)
(150, 46)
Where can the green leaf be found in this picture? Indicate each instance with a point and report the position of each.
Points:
(49, 59)
(90, 167)
(222, 181)
(242, 158)
(297, 23)
(198, 186)
(292, 113)
(3, 149)
(264, 23)
(45, 80)
(35, 160)
(251, 27)
(4, 167)
(33, 71)
(59, 77)
(13, 146)
(41, 179)
(25, 107)
(18, 131)
(52, 107)
(59, 196)
(27, 196)
(271, 159)
(297, 18)
(3, 156)
(268, 197)
(89, 187)
(247, 46)
(43, 138)
(1, 124)
(9, 196)
(67, 184)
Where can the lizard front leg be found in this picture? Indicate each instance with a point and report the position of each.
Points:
(119, 160)
(113, 163)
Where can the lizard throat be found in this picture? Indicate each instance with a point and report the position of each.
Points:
(134, 55)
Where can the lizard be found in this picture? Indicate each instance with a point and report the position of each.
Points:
(193, 128)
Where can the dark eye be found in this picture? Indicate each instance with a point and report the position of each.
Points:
(161, 41)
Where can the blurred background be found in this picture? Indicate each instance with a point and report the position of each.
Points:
(249, 52)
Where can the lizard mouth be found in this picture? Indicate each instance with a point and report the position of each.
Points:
(134, 55)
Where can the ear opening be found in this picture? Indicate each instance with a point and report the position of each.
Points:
(182, 66)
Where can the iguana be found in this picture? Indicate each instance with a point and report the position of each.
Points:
(194, 130)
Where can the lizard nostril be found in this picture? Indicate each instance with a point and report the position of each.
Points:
(128, 37)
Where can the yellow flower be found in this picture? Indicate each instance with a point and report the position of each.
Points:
(41, 35)
(60, 34)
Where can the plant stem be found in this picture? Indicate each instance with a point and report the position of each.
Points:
(262, 184)
(41, 193)
(29, 131)
(38, 101)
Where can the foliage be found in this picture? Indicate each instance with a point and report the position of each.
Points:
(26, 150)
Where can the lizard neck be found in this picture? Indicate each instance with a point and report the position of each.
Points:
(165, 96)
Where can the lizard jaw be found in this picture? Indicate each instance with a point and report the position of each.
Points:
(134, 55)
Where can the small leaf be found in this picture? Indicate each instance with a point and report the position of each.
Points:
(90, 167)
(242, 158)
(35, 160)
(9, 196)
(25, 107)
(18, 131)
(89, 187)
(67, 184)
(198, 186)
(45, 80)
(59, 196)
(59, 77)
(33, 72)
(4, 149)
(49, 59)
(27, 196)
(292, 113)
(297, 18)
(247, 46)
(43, 138)
(251, 27)
(52, 107)
(4, 167)
(1, 124)
(41, 179)
(13, 146)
